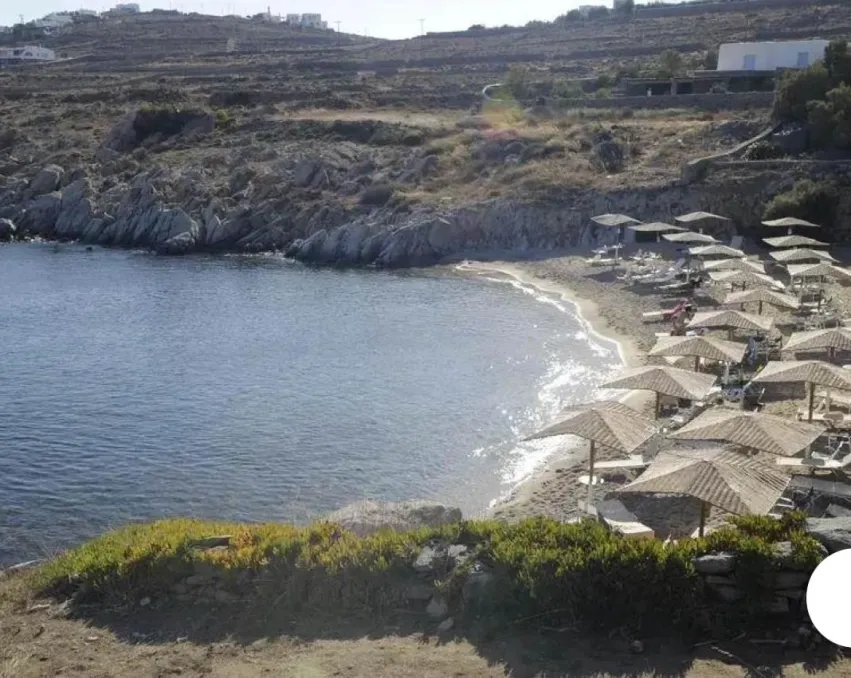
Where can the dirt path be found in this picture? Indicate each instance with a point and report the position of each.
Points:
(38, 639)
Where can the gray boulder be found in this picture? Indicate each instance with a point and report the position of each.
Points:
(715, 563)
(121, 138)
(366, 517)
(46, 181)
(833, 533)
(41, 214)
(182, 243)
(7, 230)
(76, 210)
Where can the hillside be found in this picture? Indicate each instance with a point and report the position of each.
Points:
(237, 134)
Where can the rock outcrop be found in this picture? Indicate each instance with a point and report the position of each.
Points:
(366, 517)
(7, 230)
(833, 533)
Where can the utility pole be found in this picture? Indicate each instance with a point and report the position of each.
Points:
(338, 26)
(422, 26)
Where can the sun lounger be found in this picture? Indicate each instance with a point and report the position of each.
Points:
(601, 261)
(816, 462)
(835, 511)
(617, 518)
(828, 488)
(635, 461)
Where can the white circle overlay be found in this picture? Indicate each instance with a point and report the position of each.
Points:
(829, 598)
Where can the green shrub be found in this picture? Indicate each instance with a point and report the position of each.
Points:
(550, 572)
(796, 89)
(807, 199)
(223, 118)
(830, 120)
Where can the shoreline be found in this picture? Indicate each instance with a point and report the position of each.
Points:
(566, 464)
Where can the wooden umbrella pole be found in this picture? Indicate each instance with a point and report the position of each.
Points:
(703, 511)
(590, 477)
(760, 308)
(658, 403)
(812, 401)
(696, 363)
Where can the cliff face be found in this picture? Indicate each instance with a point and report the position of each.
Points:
(140, 215)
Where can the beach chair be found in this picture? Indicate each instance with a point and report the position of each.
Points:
(632, 462)
(816, 462)
(614, 515)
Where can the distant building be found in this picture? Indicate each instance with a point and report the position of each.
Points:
(306, 20)
(769, 56)
(5, 29)
(620, 4)
(54, 21)
(125, 8)
(12, 55)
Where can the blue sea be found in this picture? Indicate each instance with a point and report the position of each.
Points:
(251, 388)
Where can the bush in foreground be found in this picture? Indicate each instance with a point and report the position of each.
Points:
(547, 571)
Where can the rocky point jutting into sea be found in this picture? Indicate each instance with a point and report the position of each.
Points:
(337, 201)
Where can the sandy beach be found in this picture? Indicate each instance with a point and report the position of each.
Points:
(614, 311)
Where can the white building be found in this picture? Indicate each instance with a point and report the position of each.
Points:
(28, 53)
(54, 21)
(306, 20)
(126, 8)
(769, 56)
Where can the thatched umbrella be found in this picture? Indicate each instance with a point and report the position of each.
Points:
(801, 254)
(794, 241)
(737, 483)
(754, 430)
(742, 277)
(689, 237)
(716, 251)
(664, 380)
(820, 270)
(811, 372)
(608, 423)
(735, 264)
(830, 340)
(731, 320)
(762, 295)
(789, 223)
(656, 227)
(698, 218)
(700, 347)
(615, 221)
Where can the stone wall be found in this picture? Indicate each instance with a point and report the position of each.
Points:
(705, 102)
(741, 6)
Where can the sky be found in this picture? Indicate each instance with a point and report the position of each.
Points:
(378, 18)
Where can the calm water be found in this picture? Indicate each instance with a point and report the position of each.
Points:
(134, 387)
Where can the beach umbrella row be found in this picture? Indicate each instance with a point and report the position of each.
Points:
(670, 381)
(700, 347)
(811, 372)
(794, 241)
(762, 295)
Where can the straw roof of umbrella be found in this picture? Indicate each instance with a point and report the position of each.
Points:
(607, 422)
(703, 347)
(693, 217)
(734, 265)
(800, 254)
(754, 430)
(742, 277)
(822, 269)
(689, 237)
(731, 481)
(816, 340)
(763, 295)
(731, 319)
(665, 380)
(794, 241)
(715, 251)
(614, 220)
(805, 371)
(789, 222)
(656, 227)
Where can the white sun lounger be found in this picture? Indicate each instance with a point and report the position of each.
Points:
(635, 461)
(618, 519)
(816, 462)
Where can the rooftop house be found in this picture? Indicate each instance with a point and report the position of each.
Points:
(17, 55)
(742, 67)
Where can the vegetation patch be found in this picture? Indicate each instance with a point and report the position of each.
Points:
(547, 571)
(810, 200)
